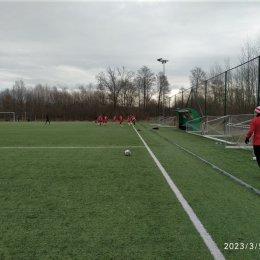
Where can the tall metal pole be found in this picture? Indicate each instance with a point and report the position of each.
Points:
(182, 99)
(163, 99)
(163, 92)
(225, 97)
(205, 99)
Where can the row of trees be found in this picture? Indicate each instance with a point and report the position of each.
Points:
(118, 91)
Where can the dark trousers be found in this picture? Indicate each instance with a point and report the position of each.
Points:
(257, 153)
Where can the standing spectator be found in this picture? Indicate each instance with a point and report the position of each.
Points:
(47, 119)
(255, 129)
(121, 121)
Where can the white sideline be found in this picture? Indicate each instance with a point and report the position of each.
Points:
(69, 147)
(193, 217)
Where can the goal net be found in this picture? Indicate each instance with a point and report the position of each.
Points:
(213, 127)
(7, 116)
(236, 132)
(161, 121)
(230, 129)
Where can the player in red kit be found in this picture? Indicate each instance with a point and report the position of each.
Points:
(105, 120)
(133, 119)
(99, 120)
(128, 120)
(121, 121)
(114, 119)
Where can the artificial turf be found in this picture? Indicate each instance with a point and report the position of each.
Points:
(69, 192)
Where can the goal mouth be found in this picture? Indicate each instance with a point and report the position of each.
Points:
(7, 116)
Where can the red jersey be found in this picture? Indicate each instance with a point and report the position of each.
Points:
(105, 119)
(100, 119)
(128, 119)
(114, 119)
(120, 119)
(254, 129)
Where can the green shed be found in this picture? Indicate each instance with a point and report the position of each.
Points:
(188, 114)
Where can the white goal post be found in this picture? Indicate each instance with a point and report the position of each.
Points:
(8, 115)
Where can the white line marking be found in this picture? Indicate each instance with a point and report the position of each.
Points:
(70, 147)
(215, 167)
(193, 217)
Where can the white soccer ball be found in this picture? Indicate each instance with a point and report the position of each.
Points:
(127, 152)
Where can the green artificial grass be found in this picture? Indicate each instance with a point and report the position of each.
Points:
(67, 191)
(90, 202)
(229, 211)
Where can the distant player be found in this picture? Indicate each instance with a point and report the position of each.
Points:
(99, 120)
(47, 119)
(133, 119)
(121, 121)
(129, 120)
(105, 120)
(114, 119)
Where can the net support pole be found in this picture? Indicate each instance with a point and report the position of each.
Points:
(225, 98)
(182, 99)
(205, 98)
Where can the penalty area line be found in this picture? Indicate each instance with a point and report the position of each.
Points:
(213, 248)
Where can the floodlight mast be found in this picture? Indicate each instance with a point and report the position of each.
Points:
(163, 62)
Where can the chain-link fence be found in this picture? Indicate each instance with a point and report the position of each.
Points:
(235, 91)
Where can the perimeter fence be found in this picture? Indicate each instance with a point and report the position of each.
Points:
(235, 91)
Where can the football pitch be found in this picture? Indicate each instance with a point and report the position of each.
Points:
(67, 191)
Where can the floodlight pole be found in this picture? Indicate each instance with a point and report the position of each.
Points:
(163, 62)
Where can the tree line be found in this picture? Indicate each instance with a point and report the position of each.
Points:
(118, 91)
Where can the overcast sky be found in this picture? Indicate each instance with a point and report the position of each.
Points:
(65, 44)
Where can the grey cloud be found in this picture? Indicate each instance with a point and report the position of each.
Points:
(70, 43)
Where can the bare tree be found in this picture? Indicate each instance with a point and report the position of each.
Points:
(19, 95)
(144, 81)
(113, 82)
(162, 89)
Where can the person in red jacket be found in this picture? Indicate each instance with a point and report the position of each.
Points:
(255, 129)
(121, 121)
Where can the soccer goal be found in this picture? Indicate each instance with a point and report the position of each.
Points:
(230, 129)
(236, 132)
(7, 116)
(213, 127)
